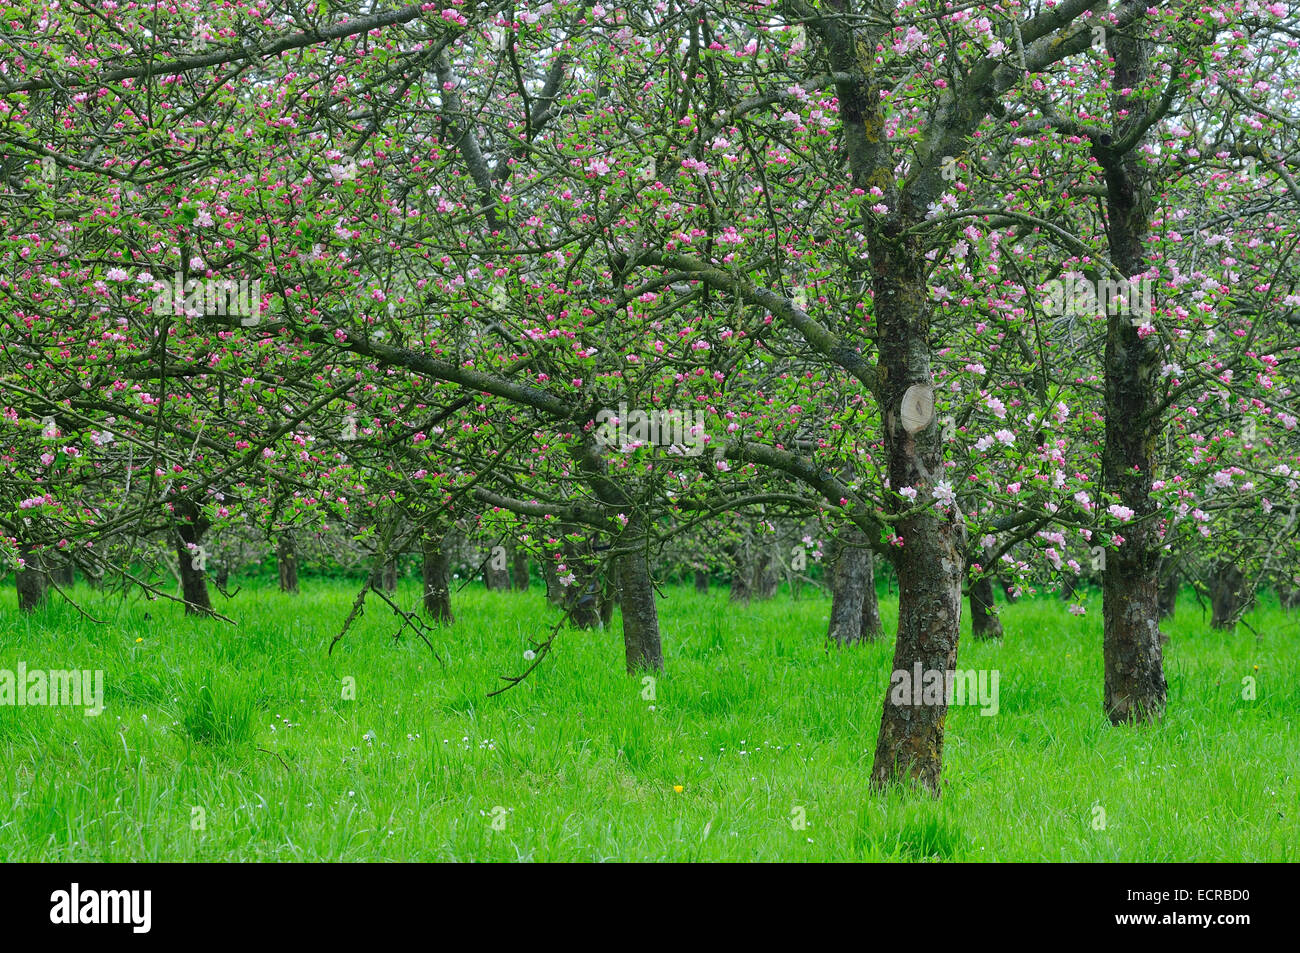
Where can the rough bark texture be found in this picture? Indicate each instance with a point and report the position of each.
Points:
(984, 621)
(872, 628)
(286, 561)
(641, 643)
(435, 573)
(191, 524)
(931, 562)
(31, 579)
(1134, 667)
(849, 573)
(1229, 595)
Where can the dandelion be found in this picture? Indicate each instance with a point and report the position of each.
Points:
(678, 788)
(529, 655)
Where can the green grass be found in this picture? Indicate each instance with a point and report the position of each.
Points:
(245, 728)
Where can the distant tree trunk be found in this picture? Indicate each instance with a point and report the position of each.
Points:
(1167, 600)
(872, 629)
(984, 621)
(741, 578)
(848, 588)
(221, 573)
(496, 571)
(1228, 595)
(191, 557)
(1288, 596)
(701, 581)
(286, 561)
(436, 576)
(31, 578)
(385, 577)
(519, 569)
(61, 571)
(767, 577)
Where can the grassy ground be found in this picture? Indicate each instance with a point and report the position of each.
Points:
(224, 742)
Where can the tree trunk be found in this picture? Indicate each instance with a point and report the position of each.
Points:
(1135, 688)
(872, 629)
(496, 571)
(385, 576)
(286, 561)
(766, 578)
(641, 644)
(1228, 595)
(436, 575)
(848, 589)
(984, 621)
(701, 581)
(519, 569)
(1167, 600)
(31, 579)
(741, 590)
(191, 557)
(931, 561)
(61, 571)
